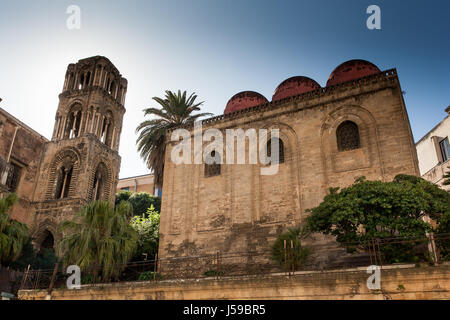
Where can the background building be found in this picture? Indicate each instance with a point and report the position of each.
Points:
(143, 183)
(20, 153)
(433, 152)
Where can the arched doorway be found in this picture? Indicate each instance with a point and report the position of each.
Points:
(48, 242)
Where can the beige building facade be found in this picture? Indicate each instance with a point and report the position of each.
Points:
(20, 153)
(433, 152)
(356, 126)
(143, 183)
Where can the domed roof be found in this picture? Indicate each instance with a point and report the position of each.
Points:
(294, 86)
(244, 100)
(350, 70)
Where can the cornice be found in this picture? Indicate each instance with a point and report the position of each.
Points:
(388, 75)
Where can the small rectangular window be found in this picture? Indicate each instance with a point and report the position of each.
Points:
(445, 149)
(125, 189)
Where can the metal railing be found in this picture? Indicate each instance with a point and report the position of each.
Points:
(429, 250)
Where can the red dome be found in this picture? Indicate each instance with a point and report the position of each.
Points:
(244, 100)
(350, 70)
(294, 86)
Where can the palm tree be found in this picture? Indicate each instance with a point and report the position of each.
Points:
(13, 234)
(101, 239)
(176, 109)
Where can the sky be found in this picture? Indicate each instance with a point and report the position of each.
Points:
(217, 48)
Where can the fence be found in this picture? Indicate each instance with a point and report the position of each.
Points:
(432, 249)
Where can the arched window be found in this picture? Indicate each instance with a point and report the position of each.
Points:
(48, 242)
(106, 133)
(81, 83)
(72, 129)
(62, 178)
(99, 184)
(112, 87)
(71, 81)
(214, 168)
(347, 136)
(109, 133)
(280, 149)
(63, 181)
(88, 78)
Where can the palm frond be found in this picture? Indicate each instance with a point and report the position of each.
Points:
(175, 109)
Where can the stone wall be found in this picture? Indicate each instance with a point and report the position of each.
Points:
(401, 282)
(26, 152)
(241, 210)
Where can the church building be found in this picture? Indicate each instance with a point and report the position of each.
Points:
(357, 125)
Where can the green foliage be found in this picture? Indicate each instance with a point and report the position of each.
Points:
(295, 255)
(87, 278)
(100, 240)
(13, 234)
(37, 260)
(175, 109)
(142, 201)
(149, 275)
(122, 195)
(375, 209)
(147, 228)
(213, 273)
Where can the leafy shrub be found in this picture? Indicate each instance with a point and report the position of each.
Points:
(142, 201)
(87, 278)
(213, 273)
(122, 195)
(147, 227)
(295, 255)
(149, 275)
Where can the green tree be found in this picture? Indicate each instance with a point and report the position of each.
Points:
(142, 201)
(176, 109)
(147, 227)
(295, 255)
(100, 239)
(122, 195)
(375, 209)
(13, 234)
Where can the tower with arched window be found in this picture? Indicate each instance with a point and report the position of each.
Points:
(81, 163)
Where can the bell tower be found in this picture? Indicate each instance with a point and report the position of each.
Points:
(81, 162)
(91, 102)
